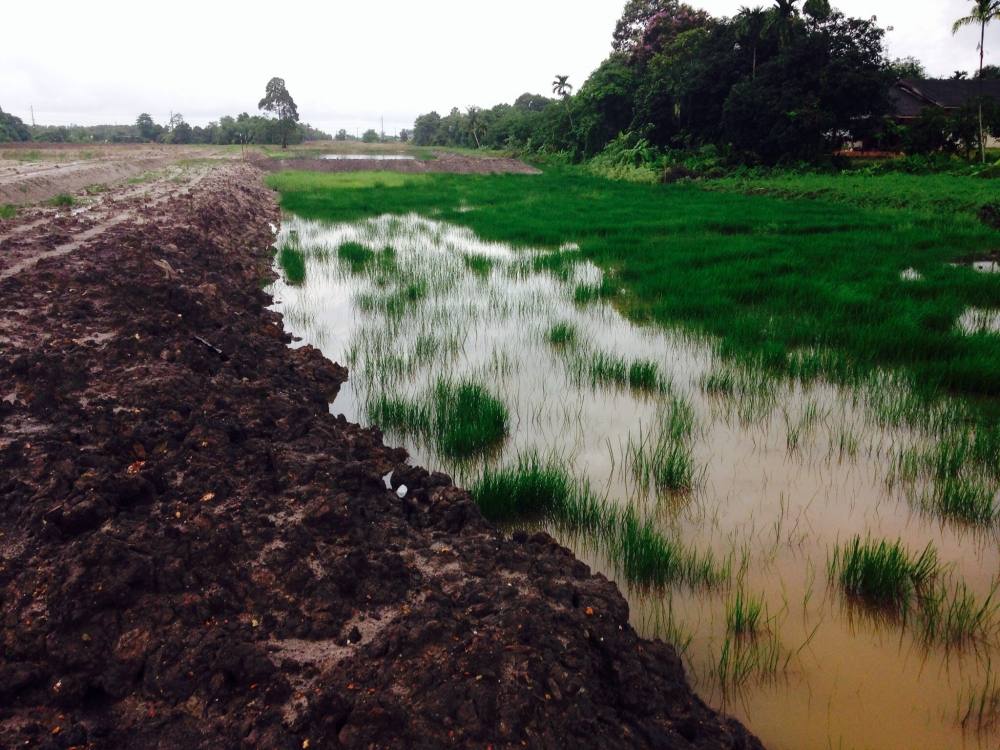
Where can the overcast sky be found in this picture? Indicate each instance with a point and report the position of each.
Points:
(348, 65)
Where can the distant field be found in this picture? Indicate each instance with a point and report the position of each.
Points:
(771, 277)
(927, 193)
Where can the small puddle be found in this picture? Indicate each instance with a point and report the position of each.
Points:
(781, 471)
(977, 320)
(368, 157)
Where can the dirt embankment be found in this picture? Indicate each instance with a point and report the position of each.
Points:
(195, 553)
(444, 162)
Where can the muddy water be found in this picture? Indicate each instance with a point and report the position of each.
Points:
(786, 471)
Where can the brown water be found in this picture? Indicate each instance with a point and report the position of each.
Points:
(786, 472)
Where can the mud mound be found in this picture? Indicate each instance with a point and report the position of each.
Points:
(195, 553)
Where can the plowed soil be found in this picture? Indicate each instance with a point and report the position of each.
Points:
(195, 553)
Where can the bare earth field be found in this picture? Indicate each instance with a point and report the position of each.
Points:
(31, 172)
(195, 553)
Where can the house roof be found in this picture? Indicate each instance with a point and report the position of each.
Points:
(911, 97)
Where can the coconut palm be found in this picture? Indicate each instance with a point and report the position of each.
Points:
(983, 12)
(562, 87)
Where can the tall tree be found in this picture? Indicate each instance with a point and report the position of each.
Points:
(784, 14)
(278, 102)
(983, 13)
(562, 87)
(751, 23)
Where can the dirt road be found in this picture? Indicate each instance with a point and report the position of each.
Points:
(194, 553)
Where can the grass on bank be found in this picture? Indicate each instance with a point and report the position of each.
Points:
(534, 489)
(8, 211)
(769, 277)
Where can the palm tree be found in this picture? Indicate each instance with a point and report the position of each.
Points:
(783, 17)
(983, 12)
(562, 87)
(751, 24)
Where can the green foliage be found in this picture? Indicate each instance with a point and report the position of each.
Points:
(766, 85)
(7, 211)
(562, 334)
(356, 254)
(370, 136)
(12, 128)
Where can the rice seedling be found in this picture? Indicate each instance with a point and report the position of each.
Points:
(562, 334)
(743, 614)
(951, 614)
(659, 620)
(882, 573)
(743, 659)
(606, 369)
(979, 708)
(63, 200)
(586, 293)
(480, 265)
(467, 418)
(355, 254)
(293, 264)
(965, 499)
(529, 489)
(461, 418)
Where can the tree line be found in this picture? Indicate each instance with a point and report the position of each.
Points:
(790, 82)
(282, 128)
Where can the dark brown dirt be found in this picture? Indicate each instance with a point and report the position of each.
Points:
(194, 553)
(444, 161)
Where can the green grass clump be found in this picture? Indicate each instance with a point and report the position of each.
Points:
(979, 707)
(529, 489)
(586, 293)
(562, 334)
(461, 418)
(965, 499)
(293, 264)
(536, 489)
(480, 265)
(467, 418)
(63, 200)
(7, 211)
(743, 614)
(601, 368)
(882, 573)
(663, 459)
(356, 254)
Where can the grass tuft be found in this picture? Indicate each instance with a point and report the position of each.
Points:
(293, 264)
(882, 573)
(562, 334)
(8, 211)
(743, 614)
(356, 254)
(63, 200)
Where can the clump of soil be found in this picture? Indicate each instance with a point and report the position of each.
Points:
(195, 553)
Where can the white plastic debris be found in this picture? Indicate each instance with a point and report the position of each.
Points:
(401, 492)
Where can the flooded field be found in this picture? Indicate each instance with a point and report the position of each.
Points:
(826, 559)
